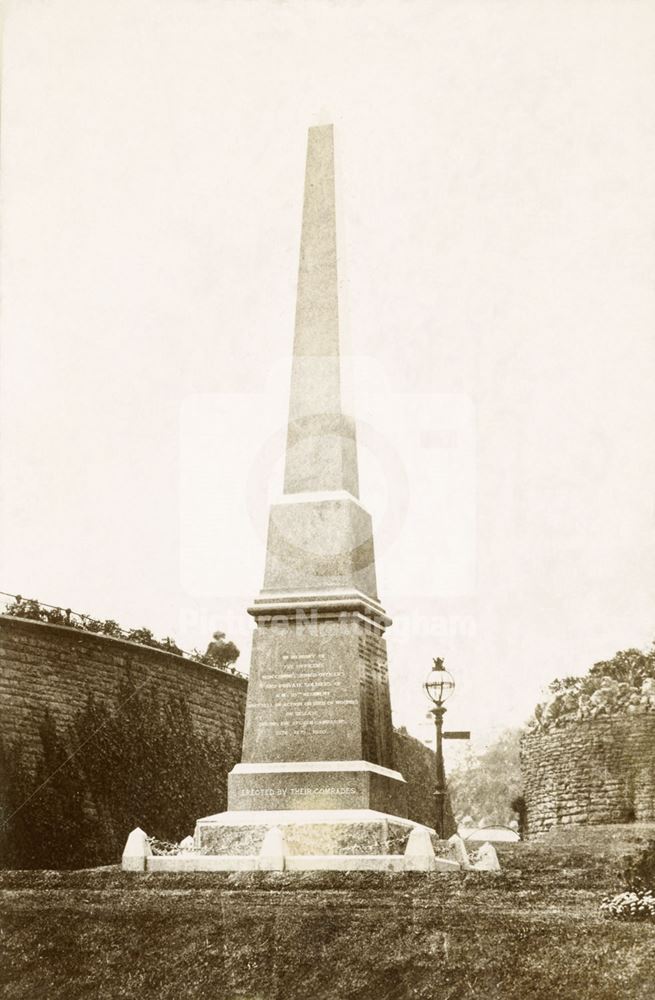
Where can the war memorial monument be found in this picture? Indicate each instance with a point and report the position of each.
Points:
(316, 787)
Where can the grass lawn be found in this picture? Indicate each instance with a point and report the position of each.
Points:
(533, 932)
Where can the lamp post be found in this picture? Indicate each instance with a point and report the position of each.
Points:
(439, 686)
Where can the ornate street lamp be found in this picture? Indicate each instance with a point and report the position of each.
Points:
(439, 686)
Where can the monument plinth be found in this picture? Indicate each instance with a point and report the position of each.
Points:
(318, 741)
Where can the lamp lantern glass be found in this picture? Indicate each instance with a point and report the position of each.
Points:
(440, 685)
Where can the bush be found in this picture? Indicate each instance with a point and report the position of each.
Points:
(219, 653)
(140, 763)
(624, 685)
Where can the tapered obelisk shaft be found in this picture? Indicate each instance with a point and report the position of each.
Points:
(321, 446)
(317, 316)
(317, 733)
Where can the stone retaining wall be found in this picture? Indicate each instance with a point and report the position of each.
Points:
(56, 667)
(600, 771)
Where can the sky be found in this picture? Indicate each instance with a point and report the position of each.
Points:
(496, 213)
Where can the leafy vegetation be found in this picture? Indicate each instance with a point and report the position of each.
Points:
(623, 685)
(139, 764)
(633, 904)
(219, 654)
(486, 786)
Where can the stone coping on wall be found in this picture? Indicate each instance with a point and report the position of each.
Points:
(83, 635)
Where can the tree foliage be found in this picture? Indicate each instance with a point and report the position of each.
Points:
(220, 653)
(487, 785)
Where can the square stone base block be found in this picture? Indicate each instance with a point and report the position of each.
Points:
(302, 786)
(306, 832)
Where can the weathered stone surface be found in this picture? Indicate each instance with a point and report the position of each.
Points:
(56, 668)
(458, 850)
(320, 543)
(419, 852)
(318, 691)
(273, 850)
(419, 842)
(305, 832)
(486, 859)
(370, 862)
(206, 863)
(300, 863)
(137, 850)
(321, 448)
(599, 771)
(347, 785)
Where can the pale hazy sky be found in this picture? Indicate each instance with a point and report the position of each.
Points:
(496, 188)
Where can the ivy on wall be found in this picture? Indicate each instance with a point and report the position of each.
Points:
(140, 763)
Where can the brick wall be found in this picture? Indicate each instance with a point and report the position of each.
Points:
(597, 771)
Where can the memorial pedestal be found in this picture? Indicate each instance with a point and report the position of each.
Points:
(327, 784)
(317, 759)
(316, 783)
(311, 832)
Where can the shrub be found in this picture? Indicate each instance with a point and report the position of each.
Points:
(112, 628)
(141, 763)
(141, 635)
(624, 685)
(25, 609)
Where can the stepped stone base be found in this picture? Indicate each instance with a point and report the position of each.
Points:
(311, 832)
(306, 841)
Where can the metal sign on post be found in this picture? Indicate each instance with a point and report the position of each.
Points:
(457, 735)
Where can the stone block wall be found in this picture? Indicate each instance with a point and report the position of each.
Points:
(597, 771)
(416, 762)
(56, 667)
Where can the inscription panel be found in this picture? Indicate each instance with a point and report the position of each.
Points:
(317, 790)
(322, 790)
(303, 696)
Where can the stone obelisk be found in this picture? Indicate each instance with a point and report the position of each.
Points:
(317, 750)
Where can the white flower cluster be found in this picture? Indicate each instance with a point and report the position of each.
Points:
(633, 904)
